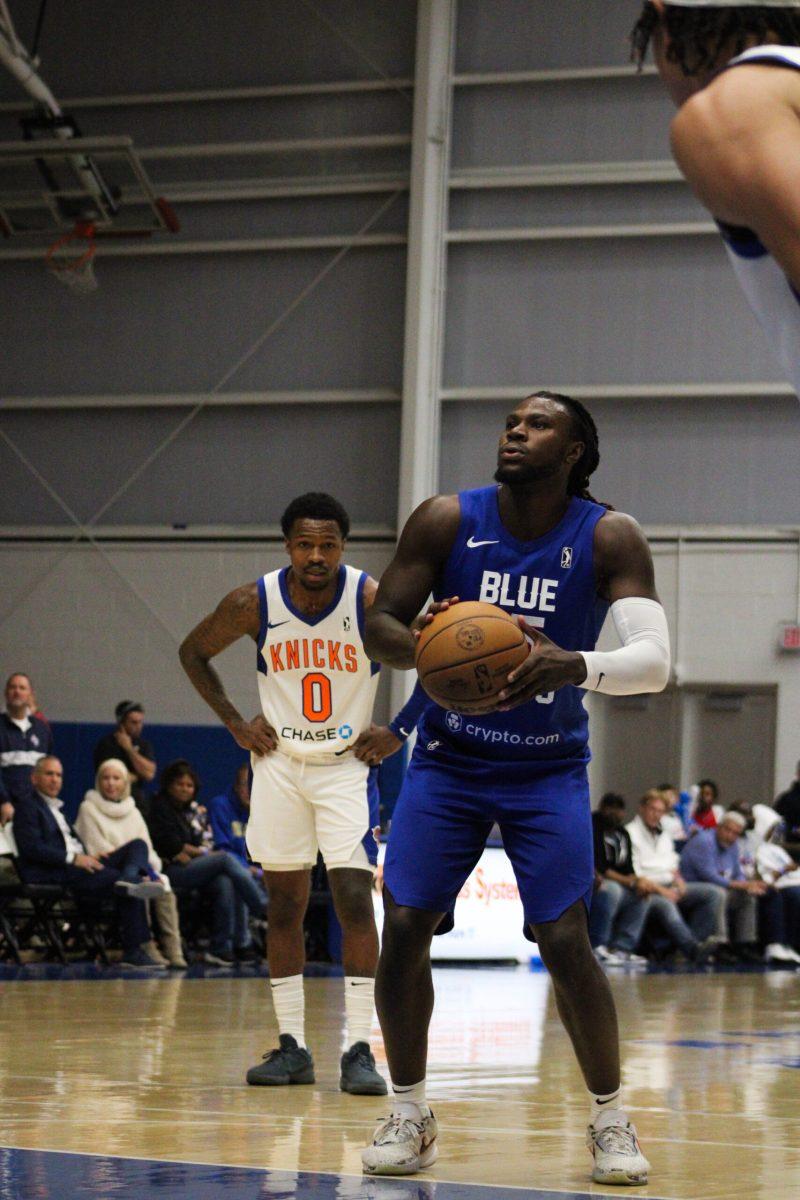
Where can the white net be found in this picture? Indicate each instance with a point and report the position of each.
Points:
(71, 260)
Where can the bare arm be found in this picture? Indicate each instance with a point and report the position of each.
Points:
(144, 768)
(738, 144)
(234, 617)
(407, 582)
(623, 562)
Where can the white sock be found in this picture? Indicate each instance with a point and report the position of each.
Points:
(359, 1005)
(410, 1095)
(600, 1104)
(289, 1001)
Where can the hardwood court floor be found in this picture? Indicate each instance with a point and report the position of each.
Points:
(153, 1069)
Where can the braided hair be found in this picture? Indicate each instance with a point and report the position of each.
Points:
(698, 36)
(583, 430)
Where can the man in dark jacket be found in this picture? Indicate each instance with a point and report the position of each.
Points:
(50, 851)
(126, 743)
(619, 910)
(24, 739)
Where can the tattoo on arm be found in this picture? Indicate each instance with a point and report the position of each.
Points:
(235, 617)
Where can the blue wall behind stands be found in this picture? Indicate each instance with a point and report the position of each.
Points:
(209, 748)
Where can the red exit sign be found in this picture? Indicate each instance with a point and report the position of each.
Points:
(789, 637)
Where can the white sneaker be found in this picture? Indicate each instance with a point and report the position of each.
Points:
(778, 953)
(633, 960)
(617, 1154)
(145, 889)
(403, 1143)
(608, 958)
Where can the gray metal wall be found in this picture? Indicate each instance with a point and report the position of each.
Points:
(576, 259)
(611, 288)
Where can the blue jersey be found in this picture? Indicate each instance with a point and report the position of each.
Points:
(551, 583)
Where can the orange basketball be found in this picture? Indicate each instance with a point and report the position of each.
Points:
(465, 654)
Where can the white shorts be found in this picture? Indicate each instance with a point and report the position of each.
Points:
(297, 808)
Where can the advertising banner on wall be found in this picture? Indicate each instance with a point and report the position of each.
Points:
(489, 918)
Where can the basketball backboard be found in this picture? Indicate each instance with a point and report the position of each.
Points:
(48, 185)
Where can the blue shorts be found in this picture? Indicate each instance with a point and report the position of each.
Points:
(446, 809)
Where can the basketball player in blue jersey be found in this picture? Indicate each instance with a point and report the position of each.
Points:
(733, 70)
(312, 749)
(538, 546)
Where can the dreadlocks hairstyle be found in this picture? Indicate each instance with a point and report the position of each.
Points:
(697, 36)
(583, 430)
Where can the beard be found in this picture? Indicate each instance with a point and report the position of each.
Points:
(515, 476)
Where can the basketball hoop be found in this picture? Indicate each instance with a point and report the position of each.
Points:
(71, 258)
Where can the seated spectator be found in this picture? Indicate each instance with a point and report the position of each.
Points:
(765, 858)
(50, 851)
(671, 821)
(712, 856)
(125, 742)
(228, 816)
(705, 812)
(618, 910)
(191, 866)
(691, 914)
(787, 806)
(678, 806)
(24, 739)
(106, 820)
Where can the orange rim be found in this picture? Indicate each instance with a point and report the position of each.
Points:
(83, 231)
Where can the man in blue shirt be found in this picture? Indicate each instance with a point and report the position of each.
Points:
(712, 856)
(229, 814)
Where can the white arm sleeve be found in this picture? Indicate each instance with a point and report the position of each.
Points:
(642, 663)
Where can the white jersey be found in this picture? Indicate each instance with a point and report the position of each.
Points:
(317, 685)
(771, 296)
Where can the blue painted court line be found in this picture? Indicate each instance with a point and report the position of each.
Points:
(51, 1175)
(11, 973)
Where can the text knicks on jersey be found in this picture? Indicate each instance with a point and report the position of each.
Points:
(294, 654)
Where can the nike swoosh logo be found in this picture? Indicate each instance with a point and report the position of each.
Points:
(600, 680)
(275, 624)
(473, 545)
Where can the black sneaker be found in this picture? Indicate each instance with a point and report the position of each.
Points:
(289, 1064)
(359, 1076)
(141, 960)
(246, 954)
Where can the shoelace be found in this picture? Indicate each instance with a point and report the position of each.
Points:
(276, 1053)
(396, 1129)
(361, 1059)
(616, 1139)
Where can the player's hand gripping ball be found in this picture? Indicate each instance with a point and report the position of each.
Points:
(464, 655)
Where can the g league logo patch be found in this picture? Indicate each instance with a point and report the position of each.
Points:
(453, 721)
(566, 556)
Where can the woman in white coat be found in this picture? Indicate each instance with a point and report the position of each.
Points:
(107, 818)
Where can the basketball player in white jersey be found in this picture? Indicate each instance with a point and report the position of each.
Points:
(733, 70)
(312, 788)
